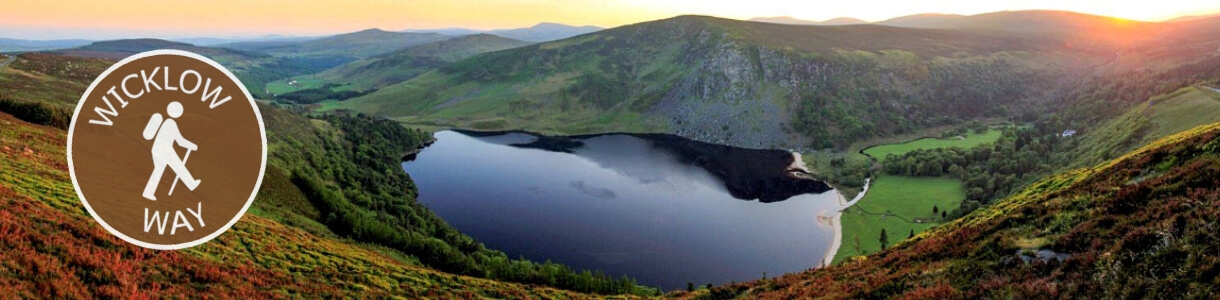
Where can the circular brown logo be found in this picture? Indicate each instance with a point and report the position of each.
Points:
(167, 149)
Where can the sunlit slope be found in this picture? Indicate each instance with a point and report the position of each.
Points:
(1158, 117)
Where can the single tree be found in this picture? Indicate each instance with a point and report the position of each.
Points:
(885, 239)
(690, 286)
(912, 234)
(935, 209)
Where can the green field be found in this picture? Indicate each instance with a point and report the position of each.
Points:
(901, 204)
(901, 200)
(967, 141)
(280, 87)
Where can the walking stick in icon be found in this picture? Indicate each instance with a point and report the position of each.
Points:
(184, 159)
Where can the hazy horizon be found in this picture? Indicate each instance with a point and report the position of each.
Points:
(64, 19)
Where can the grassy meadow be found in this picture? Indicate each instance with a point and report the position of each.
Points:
(967, 141)
(898, 204)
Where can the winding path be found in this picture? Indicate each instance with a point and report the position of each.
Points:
(8, 61)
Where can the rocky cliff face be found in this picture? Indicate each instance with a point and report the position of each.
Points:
(736, 83)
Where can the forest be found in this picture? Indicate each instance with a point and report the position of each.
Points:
(319, 94)
(930, 94)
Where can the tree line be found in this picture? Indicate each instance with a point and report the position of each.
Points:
(358, 185)
(991, 171)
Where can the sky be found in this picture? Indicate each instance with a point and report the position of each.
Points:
(59, 19)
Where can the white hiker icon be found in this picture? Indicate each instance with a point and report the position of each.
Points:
(163, 153)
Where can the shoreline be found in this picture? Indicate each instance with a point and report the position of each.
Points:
(837, 225)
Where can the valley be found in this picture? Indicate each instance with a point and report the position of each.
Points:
(1015, 154)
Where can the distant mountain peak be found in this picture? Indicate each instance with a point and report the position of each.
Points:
(794, 21)
(143, 41)
(372, 30)
(544, 31)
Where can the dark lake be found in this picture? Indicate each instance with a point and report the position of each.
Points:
(659, 208)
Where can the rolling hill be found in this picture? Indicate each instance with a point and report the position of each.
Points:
(19, 45)
(354, 45)
(1074, 29)
(255, 69)
(929, 20)
(398, 66)
(1151, 120)
(744, 83)
(794, 21)
(330, 221)
(118, 49)
(544, 32)
(541, 32)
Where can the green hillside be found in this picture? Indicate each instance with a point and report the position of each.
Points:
(118, 49)
(1076, 30)
(1140, 226)
(335, 178)
(50, 247)
(253, 68)
(44, 88)
(1124, 208)
(354, 45)
(1158, 117)
(742, 83)
(398, 66)
(355, 78)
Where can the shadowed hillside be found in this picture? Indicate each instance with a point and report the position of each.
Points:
(747, 84)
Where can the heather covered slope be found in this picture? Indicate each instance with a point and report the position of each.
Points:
(334, 178)
(1141, 226)
(50, 247)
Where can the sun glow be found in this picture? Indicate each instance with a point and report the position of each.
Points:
(96, 19)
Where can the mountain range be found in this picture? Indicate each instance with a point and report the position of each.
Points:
(13, 45)
(795, 21)
(785, 86)
(541, 32)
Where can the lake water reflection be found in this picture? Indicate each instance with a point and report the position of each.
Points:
(661, 209)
